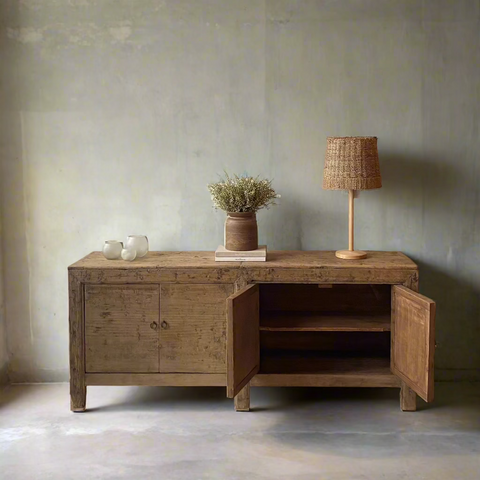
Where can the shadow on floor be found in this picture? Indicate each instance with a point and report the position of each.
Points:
(164, 398)
(262, 399)
(277, 399)
(368, 424)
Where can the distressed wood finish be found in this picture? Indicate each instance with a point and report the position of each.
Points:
(325, 267)
(78, 389)
(121, 328)
(297, 259)
(154, 261)
(312, 322)
(242, 399)
(193, 328)
(158, 276)
(287, 259)
(170, 319)
(158, 379)
(281, 267)
(408, 398)
(243, 338)
(319, 275)
(413, 342)
(368, 380)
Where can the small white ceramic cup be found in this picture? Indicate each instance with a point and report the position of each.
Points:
(129, 254)
(112, 249)
(139, 243)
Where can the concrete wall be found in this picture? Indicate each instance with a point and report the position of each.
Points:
(3, 325)
(117, 113)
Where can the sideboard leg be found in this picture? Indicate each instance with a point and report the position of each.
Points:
(78, 389)
(78, 396)
(242, 400)
(408, 399)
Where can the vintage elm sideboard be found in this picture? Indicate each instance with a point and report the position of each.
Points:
(300, 319)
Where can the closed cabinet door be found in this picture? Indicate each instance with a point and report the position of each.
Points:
(121, 328)
(413, 340)
(193, 328)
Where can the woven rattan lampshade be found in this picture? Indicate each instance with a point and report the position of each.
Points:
(351, 163)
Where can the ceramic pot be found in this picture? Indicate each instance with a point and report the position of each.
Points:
(112, 249)
(241, 231)
(139, 243)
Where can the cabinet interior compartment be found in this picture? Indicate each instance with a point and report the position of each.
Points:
(325, 352)
(292, 307)
(333, 329)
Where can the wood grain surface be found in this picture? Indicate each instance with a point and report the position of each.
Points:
(78, 390)
(158, 379)
(357, 379)
(281, 267)
(170, 318)
(283, 259)
(121, 328)
(243, 340)
(314, 322)
(413, 341)
(193, 328)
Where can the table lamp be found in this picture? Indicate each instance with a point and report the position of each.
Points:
(351, 163)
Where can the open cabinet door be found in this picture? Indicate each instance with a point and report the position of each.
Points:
(413, 340)
(243, 338)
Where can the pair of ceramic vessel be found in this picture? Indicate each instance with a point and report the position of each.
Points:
(136, 247)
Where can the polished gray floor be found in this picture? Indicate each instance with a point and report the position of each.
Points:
(190, 434)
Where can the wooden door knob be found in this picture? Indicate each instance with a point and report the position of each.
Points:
(164, 325)
(154, 325)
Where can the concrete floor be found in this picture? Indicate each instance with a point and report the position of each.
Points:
(193, 434)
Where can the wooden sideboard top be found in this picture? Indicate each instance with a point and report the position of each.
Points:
(275, 259)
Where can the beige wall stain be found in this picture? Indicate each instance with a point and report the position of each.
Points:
(25, 35)
(121, 32)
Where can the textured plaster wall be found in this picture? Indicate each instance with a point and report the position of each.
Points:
(115, 114)
(3, 325)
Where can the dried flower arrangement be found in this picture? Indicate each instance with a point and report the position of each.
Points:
(242, 194)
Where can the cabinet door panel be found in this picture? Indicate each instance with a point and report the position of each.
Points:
(121, 328)
(193, 328)
(243, 338)
(413, 340)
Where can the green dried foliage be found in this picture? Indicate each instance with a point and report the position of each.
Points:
(242, 194)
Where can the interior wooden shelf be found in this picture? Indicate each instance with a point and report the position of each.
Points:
(382, 380)
(315, 322)
(275, 362)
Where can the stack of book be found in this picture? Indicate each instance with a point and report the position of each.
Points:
(224, 255)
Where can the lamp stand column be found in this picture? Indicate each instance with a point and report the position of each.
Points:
(351, 253)
(351, 215)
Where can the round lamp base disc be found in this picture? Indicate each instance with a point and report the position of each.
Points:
(351, 254)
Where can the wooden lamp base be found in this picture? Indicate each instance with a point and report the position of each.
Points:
(351, 254)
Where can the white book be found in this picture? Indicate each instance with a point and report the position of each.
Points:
(261, 252)
(240, 259)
